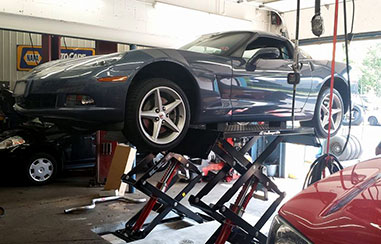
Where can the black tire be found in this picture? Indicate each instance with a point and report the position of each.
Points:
(43, 162)
(336, 146)
(358, 146)
(316, 121)
(137, 130)
(373, 121)
(355, 150)
(357, 118)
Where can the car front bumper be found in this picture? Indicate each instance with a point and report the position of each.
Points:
(50, 103)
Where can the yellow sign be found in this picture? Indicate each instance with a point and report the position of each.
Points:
(29, 57)
(32, 58)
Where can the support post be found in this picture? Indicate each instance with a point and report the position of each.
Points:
(51, 48)
(105, 47)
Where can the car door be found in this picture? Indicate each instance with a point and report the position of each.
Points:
(262, 93)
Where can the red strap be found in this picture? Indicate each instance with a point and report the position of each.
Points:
(332, 72)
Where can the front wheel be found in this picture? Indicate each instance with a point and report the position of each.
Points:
(40, 169)
(321, 118)
(157, 115)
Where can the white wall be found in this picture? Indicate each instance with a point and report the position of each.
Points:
(8, 49)
(141, 22)
(367, 18)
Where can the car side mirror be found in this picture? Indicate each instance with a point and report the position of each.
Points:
(264, 53)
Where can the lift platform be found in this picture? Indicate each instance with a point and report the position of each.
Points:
(233, 228)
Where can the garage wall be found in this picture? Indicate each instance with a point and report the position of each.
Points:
(142, 22)
(8, 51)
(8, 63)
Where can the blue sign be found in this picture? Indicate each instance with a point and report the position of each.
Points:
(28, 57)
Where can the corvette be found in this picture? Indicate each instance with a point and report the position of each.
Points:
(155, 95)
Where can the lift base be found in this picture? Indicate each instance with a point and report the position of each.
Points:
(137, 228)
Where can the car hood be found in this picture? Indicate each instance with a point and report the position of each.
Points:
(343, 208)
(68, 65)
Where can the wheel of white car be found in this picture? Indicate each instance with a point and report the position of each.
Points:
(321, 117)
(157, 115)
(40, 169)
(373, 120)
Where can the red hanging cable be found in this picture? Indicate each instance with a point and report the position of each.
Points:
(332, 72)
(332, 81)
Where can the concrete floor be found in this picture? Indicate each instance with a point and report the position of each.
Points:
(35, 214)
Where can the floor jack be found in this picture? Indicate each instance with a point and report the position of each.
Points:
(233, 228)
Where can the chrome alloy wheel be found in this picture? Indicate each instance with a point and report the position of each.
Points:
(337, 113)
(162, 115)
(41, 169)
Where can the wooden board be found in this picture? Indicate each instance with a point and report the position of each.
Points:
(121, 163)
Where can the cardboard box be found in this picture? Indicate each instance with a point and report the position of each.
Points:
(121, 163)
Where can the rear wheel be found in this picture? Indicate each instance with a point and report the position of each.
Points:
(321, 119)
(157, 115)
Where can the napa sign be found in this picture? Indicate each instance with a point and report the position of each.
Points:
(28, 57)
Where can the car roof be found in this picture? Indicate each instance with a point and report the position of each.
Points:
(254, 32)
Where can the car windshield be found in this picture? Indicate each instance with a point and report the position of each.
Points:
(218, 44)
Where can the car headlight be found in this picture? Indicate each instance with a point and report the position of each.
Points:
(104, 60)
(11, 142)
(282, 233)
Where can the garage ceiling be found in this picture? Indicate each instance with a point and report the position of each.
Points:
(286, 5)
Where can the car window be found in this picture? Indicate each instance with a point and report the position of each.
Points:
(285, 53)
(247, 54)
(219, 44)
(304, 54)
(263, 42)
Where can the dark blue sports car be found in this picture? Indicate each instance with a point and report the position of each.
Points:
(155, 95)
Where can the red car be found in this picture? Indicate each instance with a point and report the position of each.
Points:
(342, 208)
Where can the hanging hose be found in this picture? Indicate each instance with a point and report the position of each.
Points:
(33, 49)
(347, 38)
(332, 72)
(317, 169)
(295, 65)
(319, 166)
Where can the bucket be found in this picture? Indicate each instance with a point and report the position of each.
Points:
(271, 170)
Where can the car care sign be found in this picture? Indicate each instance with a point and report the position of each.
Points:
(29, 57)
